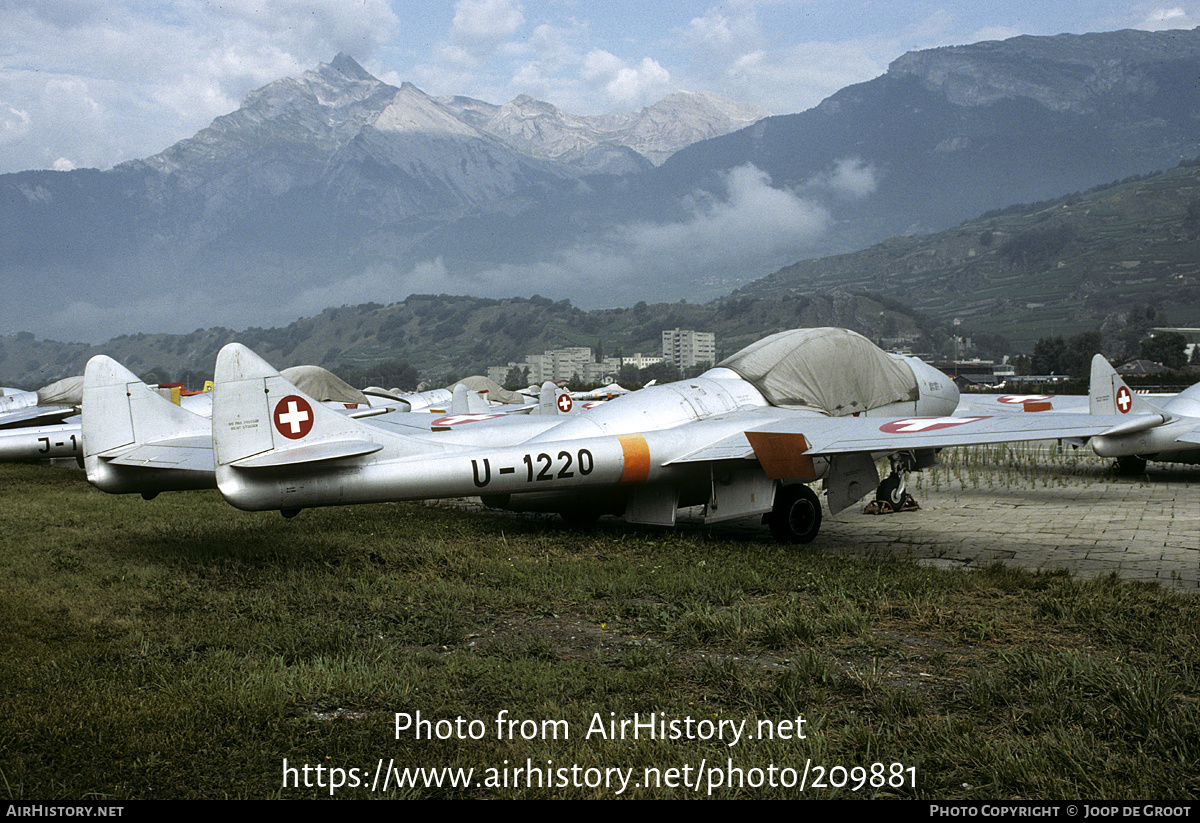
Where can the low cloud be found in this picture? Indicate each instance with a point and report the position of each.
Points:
(1169, 17)
(744, 231)
(851, 178)
(14, 123)
(376, 284)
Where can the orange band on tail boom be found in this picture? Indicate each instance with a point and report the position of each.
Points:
(637, 458)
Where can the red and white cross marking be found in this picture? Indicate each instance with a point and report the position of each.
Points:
(1022, 399)
(457, 419)
(915, 425)
(565, 403)
(1124, 400)
(293, 417)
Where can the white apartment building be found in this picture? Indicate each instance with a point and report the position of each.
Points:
(686, 348)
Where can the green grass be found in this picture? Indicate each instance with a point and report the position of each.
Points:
(179, 648)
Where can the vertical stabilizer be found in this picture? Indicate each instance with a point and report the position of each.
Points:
(135, 440)
(1109, 394)
(120, 410)
(260, 419)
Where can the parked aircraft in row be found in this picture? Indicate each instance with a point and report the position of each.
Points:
(745, 438)
(1166, 430)
(46, 423)
(1159, 427)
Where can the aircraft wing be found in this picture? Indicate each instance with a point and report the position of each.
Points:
(976, 404)
(856, 434)
(36, 416)
(773, 435)
(1192, 436)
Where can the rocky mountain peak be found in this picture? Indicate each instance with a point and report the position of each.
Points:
(348, 67)
(686, 117)
(1068, 72)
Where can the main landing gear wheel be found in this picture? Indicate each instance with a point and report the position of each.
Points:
(1130, 464)
(892, 494)
(796, 515)
(891, 490)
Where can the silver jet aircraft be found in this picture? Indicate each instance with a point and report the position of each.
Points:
(742, 439)
(42, 424)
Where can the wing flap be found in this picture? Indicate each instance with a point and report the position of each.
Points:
(734, 447)
(782, 454)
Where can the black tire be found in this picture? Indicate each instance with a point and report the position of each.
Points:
(1130, 464)
(796, 515)
(889, 490)
(580, 518)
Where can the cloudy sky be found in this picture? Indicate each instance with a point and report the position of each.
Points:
(91, 83)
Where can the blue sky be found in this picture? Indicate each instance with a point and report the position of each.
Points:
(97, 82)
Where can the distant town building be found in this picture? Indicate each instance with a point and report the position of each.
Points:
(559, 365)
(577, 363)
(641, 361)
(686, 348)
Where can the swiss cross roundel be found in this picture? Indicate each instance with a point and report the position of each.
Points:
(293, 417)
(565, 403)
(1124, 400)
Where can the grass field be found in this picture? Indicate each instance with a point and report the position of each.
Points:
(179, 648)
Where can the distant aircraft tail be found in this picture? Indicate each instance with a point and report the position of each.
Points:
(468, 401)
(137, 441)
(553, 400)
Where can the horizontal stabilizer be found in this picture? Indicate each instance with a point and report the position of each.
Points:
(329, 450)
(135, 440)
(190, 454)
(120, 410)
(30, 414)
(1137, 424)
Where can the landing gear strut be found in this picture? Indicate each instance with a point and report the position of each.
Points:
(796, 515)
(892, 494)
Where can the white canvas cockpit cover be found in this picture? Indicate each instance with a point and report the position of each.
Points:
(322, 384)
(835, 371)
(495, 392)
(65, 392)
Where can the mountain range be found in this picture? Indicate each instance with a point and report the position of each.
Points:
(336, 188)
(1077, 263)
